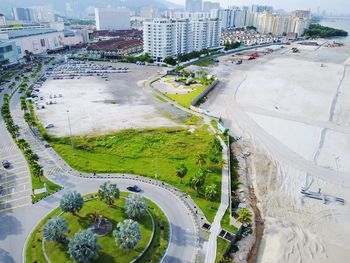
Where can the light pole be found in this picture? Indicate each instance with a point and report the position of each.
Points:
(70, 133)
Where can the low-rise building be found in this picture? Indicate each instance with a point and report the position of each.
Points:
(114, 48)
(8, 55)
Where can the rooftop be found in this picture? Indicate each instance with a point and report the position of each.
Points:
(29, 32)
(115, 44)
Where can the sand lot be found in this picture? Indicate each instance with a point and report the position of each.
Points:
(98, 106)
(294, 116)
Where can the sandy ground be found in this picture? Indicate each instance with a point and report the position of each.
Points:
(166, 85)
(98, 106)
(294, 116)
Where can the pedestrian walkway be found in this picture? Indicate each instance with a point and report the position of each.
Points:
(225, 200)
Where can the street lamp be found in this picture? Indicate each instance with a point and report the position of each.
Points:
(70, 133)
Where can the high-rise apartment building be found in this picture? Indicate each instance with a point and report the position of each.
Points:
(33, 14)
(112, 18)
(193, 6)
(208, 6)
(22, 14)
(2, 20)
(165, 37)
(149, 12)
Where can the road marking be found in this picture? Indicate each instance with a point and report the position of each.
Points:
(14, 193)
(13, 181)
(11, 175)
(14, 200)
(14, 207)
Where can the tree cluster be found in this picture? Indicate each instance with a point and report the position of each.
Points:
(316, 30)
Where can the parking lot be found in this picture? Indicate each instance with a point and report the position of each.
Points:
(14, 180)
(98, 106)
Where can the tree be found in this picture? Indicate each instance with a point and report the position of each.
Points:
(71, 202)
(201, 159)
(108, 192)
(244, 216)
(181, 171)
(135, 206)
(56, 229)
(170, 60)
(83, 246)
(127, 234)
(210, 193)
(197, 181)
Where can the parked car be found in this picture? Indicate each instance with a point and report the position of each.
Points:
(49, 125)
(6, 164)
(134, 188)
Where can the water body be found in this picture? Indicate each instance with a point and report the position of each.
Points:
(337, 23)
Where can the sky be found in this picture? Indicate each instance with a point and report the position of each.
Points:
(342, 6)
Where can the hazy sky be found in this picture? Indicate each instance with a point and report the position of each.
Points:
(329, 5)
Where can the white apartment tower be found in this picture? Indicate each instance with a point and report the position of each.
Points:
(164, 37)
(112, 18)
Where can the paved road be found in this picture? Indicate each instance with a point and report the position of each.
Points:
(15, 180)
(17, 224)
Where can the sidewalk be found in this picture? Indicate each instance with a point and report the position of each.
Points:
(216, 226)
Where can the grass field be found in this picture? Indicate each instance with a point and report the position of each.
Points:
(225, 222)
(108, 252)
(205, 62)
(185, 99)
(221, 247)
(143, 152)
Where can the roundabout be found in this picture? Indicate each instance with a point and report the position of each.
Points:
(95, 213)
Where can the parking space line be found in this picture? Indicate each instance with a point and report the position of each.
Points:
(14, 174)
(14, 193)
(14, 207)
(13, 181)
(14, 200)
(22, 167)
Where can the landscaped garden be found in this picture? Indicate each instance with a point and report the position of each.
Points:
(185, 87)
(105, 227)
(155, 153)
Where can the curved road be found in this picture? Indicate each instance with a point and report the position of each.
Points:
(18, 223)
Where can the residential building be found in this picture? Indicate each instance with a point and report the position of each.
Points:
(112, 18)
(149, 12)
(22, 14)
(2, 20)
(119, 34)
(193, 6)
(208, 6)
(170, 37)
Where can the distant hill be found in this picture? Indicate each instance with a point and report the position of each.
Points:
(81, 5)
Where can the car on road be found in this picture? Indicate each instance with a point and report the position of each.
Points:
(49, 125)
(6, 164)
(134, 188)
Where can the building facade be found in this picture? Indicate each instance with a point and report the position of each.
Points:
(112, 18)
(8, 55)
(208, 6)
(171, 37)
(33, 14)
(193, 6)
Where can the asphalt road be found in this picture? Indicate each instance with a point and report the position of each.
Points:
(17, 224)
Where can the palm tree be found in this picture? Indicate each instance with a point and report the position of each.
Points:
(135, 206)
(210, 193)
(201, 159)
(244, 216)
(108, 192)
(197, 181)
(127, 234)
(56, 230)
(181, 171)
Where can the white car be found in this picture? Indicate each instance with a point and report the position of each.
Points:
(49, 125)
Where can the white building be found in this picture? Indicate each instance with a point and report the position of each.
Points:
(208, 6)
(170, 37)
(112, 18)
(33, 14)
(2, 20)
(193, 6)
(149, 12)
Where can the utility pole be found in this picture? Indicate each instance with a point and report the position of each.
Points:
(156, 175)
(70, 133)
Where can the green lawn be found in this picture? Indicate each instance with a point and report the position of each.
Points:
(205, 62)
(108, 252)
(143, 152)
(225, 222)
(221, 247)
(185, 99)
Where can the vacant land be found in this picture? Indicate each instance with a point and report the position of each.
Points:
(98, 106)
(153, 153)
